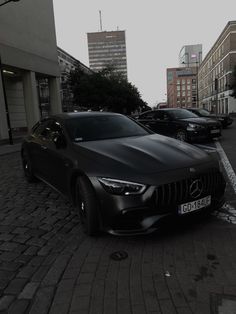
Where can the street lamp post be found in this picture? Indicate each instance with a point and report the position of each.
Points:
(4, 89)
(6, 106)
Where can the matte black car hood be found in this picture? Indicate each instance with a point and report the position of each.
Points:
(201, 120)
(143, 154)
(221, 115)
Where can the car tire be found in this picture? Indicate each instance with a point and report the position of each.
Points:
(27, 167)
(181, 135)
(87, 207)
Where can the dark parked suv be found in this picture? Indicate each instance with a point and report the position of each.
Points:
(181, 124)
(224, 119)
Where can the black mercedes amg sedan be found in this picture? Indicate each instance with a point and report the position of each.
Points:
(121, 177)
(224, 119)
(180, 124)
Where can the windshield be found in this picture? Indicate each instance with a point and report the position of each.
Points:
(182, 114)
(204, 112)
(103, 127)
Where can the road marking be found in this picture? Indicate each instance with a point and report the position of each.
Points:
(206, 148)
(227, 213)
(228, 168)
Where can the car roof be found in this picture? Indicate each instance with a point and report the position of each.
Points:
(69, 115)
(195, 108)
(170, 109)
(163, 109)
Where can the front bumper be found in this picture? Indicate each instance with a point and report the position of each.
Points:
(198, 135)
(228, 122)
(145, 213)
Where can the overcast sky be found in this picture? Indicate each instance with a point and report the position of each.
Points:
(155, 33)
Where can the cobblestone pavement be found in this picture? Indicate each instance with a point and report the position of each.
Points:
(47, 265)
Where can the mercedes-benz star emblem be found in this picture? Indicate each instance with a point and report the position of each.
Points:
(196, 188)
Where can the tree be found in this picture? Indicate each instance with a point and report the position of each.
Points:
(233, 86)
(106, 90)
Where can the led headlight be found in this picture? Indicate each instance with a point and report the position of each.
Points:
(119, 187)
(192, 126)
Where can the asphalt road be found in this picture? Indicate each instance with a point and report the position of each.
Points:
(47, 265)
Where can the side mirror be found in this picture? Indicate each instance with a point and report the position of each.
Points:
(59, 140)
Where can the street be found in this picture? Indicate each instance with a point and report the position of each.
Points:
(47, 264)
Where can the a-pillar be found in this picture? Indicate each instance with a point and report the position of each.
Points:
(54, 94)
(31, 98)
(3, 115)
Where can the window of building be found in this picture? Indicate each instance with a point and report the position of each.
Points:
(183, 87)
(189, 93)
(178, 82)
(226, 105)
(193, 87)
(222, 49)
(183, 93)
(183, 81)
(193, 81)
(178, 87)
(178, 93)
(188, 87)
(188, 81)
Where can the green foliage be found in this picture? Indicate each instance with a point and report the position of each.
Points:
(234, 83)
(106, 90)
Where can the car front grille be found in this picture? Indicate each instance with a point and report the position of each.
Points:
(214, 127)
(175, 193)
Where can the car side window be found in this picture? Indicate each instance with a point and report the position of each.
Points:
(39, 127)
(52, 129)
(166, 117)
(147, 116)
(161, 115)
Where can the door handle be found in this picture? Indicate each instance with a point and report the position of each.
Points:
(43, 147)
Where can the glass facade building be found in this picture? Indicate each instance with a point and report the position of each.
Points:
(107, 49)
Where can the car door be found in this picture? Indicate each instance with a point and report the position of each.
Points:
(163, 122)
(35, 147)
(55, 157)
(147, 119)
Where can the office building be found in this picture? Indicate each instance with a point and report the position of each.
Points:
(107, 49)
(190, 55)
(28, 52)
(215, 73)
(182, 87)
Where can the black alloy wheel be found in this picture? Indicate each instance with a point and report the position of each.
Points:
(27, 167)
(87, 207)
(181, 135)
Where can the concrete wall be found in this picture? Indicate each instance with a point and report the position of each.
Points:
(27, 36)
(28, 49)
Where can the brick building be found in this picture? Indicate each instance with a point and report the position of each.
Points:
(182, 87)
(215, 73)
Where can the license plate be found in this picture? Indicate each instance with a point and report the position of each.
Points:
(215, 131)
(195, 205)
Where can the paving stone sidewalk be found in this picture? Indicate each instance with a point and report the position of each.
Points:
(47, 265)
